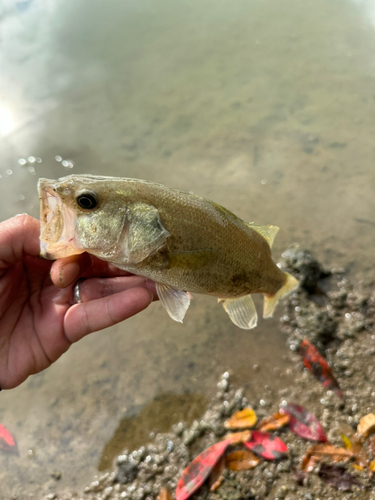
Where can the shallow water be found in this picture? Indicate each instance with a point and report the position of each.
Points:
(265, 107)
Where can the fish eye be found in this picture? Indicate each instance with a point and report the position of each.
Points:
(87, 201)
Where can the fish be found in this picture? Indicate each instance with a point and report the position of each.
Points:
(185, 243)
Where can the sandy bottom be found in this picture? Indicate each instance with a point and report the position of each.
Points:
(265, 107)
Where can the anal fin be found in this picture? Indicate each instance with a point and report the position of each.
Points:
(175, 302)
(241, 311)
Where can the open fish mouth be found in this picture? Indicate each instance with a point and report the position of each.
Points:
(57, 223)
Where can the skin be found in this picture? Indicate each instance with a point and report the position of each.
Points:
(38, 317)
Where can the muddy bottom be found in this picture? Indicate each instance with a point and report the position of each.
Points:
(338, 318)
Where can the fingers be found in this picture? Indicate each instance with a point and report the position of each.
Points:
(95, 288)
(82, 319)
(19, 236)
(66, 271)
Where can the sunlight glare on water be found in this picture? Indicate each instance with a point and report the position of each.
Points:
(7, 123)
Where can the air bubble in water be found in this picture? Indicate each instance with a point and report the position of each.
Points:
(67, 164)
(21, 197)
(38, 160)
(31, 159)
(9, 171)
(31, 170)
(58, 158)
(22, 161)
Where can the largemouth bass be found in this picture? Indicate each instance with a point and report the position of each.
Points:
(183, 242)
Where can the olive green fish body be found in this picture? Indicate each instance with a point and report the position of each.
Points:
(181, 241)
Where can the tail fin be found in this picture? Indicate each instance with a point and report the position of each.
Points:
(270, 301)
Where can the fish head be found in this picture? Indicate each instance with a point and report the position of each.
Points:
(81, 213)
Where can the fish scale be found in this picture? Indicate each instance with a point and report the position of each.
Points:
(181, 241)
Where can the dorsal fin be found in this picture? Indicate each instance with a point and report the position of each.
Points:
(268, 232)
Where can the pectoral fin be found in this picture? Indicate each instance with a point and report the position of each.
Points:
(176, 302)
(145, 233)
(241, 311)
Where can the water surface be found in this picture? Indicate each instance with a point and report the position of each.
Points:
(266, 107)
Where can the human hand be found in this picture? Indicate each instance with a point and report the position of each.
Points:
(39, 318)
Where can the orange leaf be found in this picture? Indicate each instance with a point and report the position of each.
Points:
(242, 419)
(358, 451)
(319, 452)
(366, 426)
(241, 460)
(238, 437)
(165, 494)
(216, 477)
(273, 422)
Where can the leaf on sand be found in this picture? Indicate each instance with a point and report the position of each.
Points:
(267, 446)
(216, 477)
(165, 494)
(243, 419)
(338, 477)
(241, 460)
(275, 421)
(303, 423)
(325, 451)
(366, 426)
(317, 365)
(238, 437)
(358, 451)
(199, 469)
(7, 441)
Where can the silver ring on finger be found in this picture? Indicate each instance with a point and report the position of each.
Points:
(77, 291)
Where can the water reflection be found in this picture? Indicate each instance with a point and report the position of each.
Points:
(7, 122)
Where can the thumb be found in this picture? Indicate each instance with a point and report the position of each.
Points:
(19, 236)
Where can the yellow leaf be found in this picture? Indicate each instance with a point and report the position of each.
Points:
(358, 467)
(347, 443)
(242, 419)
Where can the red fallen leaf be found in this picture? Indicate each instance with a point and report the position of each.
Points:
(303, 423)
(317, 365)
(199, 469)
(338, 477)
(267, 446)
(7, 441)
